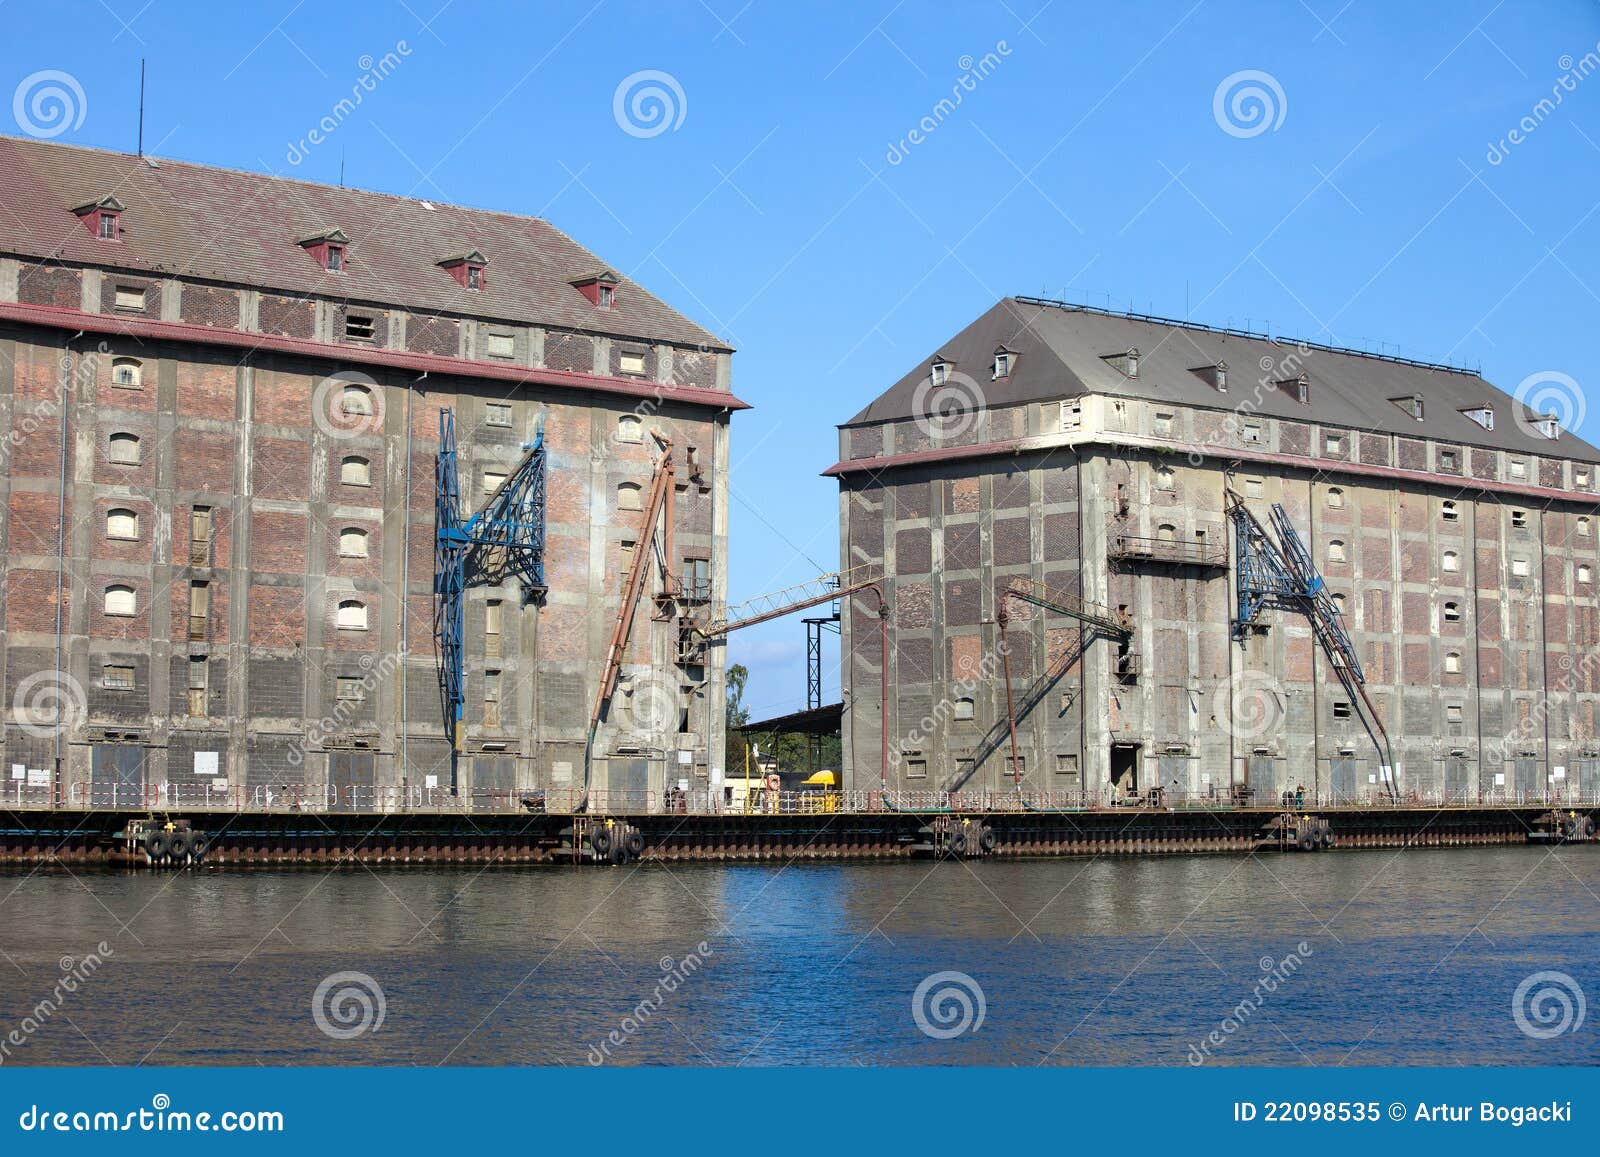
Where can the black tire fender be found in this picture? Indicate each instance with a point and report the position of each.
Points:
(635, 843)
(156, 845)
(600, 840)
(986, 839)
(958, 842)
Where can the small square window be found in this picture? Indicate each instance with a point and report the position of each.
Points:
(1452, 612)
(631, 361)
(1580, 477)
(964, 709)
(1447, 460)
(500, 345)
(1250, 431)
(1519, 568)
(1252, 487)
(1163, 423)
(1452, 713)
(117, 678)
(1584, 573)
(1519, 519)
(1449, 512)
(1341, 709)
(1519, 468)
(492, 481)
(349, 689)
(916, 769)
(359, 327)
(130, 297)
(1452, 663)
(497, 414)
(1332, 444)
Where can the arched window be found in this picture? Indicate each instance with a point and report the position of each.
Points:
(1335, 550)
(1164, 478)
(629, 428)
(1335, 497)
(352, 542)
(122, 523)
(121, 600)
(628, 496)
(1452, 662)
(1448, 511)
(124, 449)
(355, 471)
(1451, 561)
(1166, 532)
(1583, 528)
(352, 615)
(1452, 612)
(356, 401)
(964, 708)
(127, 373)
(1584, 573)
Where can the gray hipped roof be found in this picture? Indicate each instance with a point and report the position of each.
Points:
(1060, 351)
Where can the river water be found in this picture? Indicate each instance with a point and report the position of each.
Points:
(1342, 958)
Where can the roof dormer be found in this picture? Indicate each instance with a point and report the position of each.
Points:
(467, 268)
(1126, 363)
(1298, 388)
(327, 249)
(1004, 361)
(1483, 415)
(1411, 404)
(103, 218)
(1214, 376)
(939, 369)
(600, 288)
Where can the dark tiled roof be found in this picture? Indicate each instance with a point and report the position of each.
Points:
(185, 220)
(1060, 352)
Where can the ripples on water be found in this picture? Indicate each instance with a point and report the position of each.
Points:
(1412, 959)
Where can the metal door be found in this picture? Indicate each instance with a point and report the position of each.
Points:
(1175, 777)
(117, 776)
(1342, 779)
(1262, 779)
(1528, 785)
(350, 779)
(494, 781)
(1457, 788)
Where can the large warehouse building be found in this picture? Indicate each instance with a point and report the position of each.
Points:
(222, 394)
(1090, 459)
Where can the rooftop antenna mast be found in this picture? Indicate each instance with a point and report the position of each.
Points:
(141, 106)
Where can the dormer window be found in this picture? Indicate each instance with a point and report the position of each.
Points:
(1411, 404)
(1298, 388)
(468, 269)
(939, 372)
(599, 288)
(1002, 363)
(1126, 364)
(1483, 415)
(1548, 426)
(327, 249)
(1214, 376)
(103, 218)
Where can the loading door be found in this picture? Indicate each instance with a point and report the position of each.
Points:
(117, 776)
(1528, 785)
(494, 779)
(1125, 767)
(1342, 775)
(1175, 777)
(1586, 778)
(350, 778)
(1261, 777)
(1457, 789)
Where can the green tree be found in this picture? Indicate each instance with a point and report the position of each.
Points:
(737, 716)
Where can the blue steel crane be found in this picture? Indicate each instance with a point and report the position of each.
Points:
(503, 539)
(1276, 570)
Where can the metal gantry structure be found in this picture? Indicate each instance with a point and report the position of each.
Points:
(1274, 569)
(503, 539)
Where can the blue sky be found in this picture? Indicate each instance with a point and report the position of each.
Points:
(1088, 162)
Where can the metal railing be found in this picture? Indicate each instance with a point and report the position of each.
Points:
(1184, 552)
(336, 798)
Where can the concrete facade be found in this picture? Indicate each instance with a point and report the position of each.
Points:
(1466, 574)
(220, 578)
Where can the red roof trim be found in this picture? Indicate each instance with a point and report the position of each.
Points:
(56, 317)
(1322, 465)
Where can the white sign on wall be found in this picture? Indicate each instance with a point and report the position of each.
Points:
(19, 771)
(1558, 773)
(38, 777)
(431, 782)
(205, 763)
(1499, 779)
